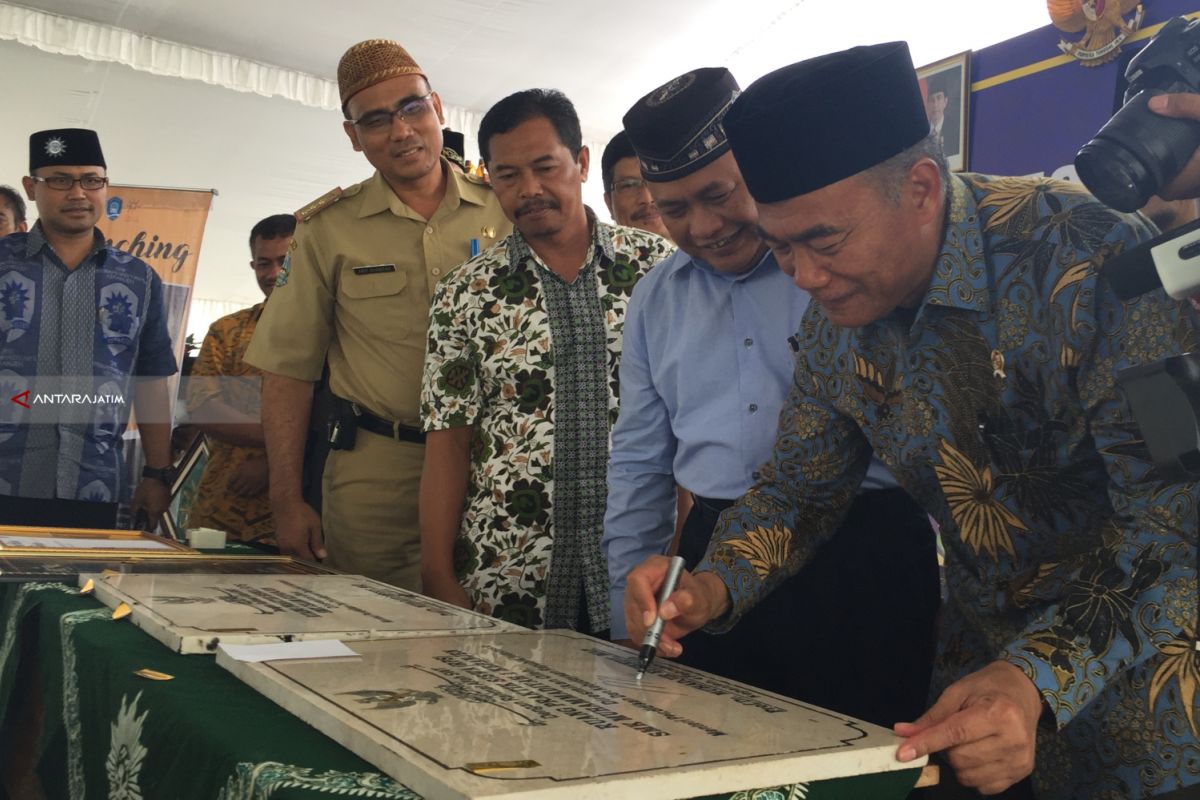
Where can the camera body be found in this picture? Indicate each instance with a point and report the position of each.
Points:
(1137, 151)
(1165, 399)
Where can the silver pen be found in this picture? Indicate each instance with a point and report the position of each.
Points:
(654, 633)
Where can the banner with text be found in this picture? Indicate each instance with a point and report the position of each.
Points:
(164, 228)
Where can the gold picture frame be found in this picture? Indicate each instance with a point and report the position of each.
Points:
(45, 541)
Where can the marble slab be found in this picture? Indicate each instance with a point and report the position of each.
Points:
(194, 613)
(555, 714)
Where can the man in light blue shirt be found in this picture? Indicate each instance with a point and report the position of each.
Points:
(706, 367)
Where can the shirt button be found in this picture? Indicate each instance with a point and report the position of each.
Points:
(429, 230)
(749, 342)
(753, 407)
(436, 271)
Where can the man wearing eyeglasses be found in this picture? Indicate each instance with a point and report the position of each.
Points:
(625, 193)
(705, 370)
(355, 295)
(79, 322)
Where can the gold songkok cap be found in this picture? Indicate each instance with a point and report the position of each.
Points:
(371, 62)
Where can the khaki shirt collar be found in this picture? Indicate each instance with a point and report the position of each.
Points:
(378, 196)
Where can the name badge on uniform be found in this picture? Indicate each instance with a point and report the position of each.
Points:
(374, 269)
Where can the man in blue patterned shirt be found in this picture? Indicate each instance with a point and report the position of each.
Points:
(960, 330)
(78, 317)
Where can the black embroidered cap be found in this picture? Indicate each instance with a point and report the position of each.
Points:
(454, 147)
(816, 122)
(676, 129)
(65, 147)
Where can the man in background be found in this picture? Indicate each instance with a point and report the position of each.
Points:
(520, 388)
(78, 317)
(12, 212)
(454, 149)
(225, 402)
(625, 193)
(941, 106)
(356, 294)
(706, 366)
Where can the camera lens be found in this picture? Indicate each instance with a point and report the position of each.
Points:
(1114, 175)
(1135, 153)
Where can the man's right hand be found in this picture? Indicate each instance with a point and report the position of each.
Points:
(298, 530)
(697, 600)
(1181, 106)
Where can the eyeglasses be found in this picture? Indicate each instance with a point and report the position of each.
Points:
(628, 186)
(63, 183)
(408, 110)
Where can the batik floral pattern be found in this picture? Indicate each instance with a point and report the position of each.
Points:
(996, 407)
(490, 364)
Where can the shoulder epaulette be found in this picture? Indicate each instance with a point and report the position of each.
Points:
(320, 204)
(475, 179)
(454, 158)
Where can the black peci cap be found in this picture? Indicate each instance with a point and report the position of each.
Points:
(816, 122)
(676, 129)
(65, 147)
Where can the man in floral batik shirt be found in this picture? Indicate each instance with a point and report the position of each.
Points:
(520, 387)
(960, 330)
(224, 398)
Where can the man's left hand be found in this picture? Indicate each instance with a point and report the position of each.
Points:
(152, 497)
(986, 723)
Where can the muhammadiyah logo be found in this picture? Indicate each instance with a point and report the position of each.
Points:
(113, 209)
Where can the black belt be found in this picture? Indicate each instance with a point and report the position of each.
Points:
(384, 427)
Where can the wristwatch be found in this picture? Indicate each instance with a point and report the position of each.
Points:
(164, 475)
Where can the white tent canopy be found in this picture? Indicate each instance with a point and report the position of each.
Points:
(240, 96)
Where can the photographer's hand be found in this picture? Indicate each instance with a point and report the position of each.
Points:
(1181, 106)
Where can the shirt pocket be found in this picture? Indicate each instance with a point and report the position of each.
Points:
(377, 300)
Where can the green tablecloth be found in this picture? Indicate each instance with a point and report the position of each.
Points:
(105, 732)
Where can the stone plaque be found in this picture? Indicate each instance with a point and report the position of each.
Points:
(555, 714)
(195, 613)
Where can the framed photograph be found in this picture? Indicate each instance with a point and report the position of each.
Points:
(20, 567)
(183, 491)
(946, 89)
(72, 541)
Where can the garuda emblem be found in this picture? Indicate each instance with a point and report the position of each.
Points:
(1103, 25)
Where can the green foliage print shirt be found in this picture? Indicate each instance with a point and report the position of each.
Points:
(530, 361)
(994, 406)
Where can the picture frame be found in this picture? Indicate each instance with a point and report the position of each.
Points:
(45, 542)
(946, 90)
(183, 490)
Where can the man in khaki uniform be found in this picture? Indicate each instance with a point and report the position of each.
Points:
(363, 265)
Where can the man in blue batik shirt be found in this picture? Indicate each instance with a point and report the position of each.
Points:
(79, 320)
(705, 369)
(960, 329)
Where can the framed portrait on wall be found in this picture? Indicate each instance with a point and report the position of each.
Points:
(946, 89)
